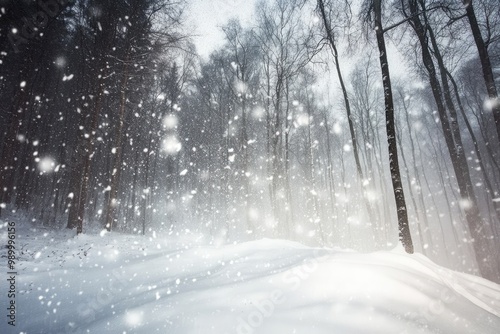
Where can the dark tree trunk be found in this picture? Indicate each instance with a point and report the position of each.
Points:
(404, 228)
(484, 171)
(476, 224)
(87, 163)
(10, 149)
(484, 57)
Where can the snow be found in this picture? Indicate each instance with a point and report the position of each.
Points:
(68, 77)
(337, 129)
(171, 145)
(170, 121)
(60, 62)
(490, 103)
(118, 283)
(46, 165)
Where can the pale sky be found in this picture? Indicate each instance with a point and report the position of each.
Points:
(207, 16)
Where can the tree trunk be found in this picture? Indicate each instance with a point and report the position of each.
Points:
(484, 57)
(87, 163)
(354, 139)
(412, 196)
(469, 203)
(113, 201)
(404, 229)
(486, 178)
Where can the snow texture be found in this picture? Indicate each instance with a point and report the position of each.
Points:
(116, 283)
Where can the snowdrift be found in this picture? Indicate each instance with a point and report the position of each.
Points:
(114, 283)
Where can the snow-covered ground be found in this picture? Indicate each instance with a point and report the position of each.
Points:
(116, 283)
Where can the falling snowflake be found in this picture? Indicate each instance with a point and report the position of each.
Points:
(171, 145)
(46, 165)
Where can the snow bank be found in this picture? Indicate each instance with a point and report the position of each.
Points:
(114, 283)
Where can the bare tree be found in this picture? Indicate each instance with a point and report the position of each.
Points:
(288, 45)
(332, 41)
(375, 7)
(452, 135)
(482, 48)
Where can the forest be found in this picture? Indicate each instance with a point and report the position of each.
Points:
(356, 124)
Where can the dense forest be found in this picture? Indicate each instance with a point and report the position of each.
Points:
(336, 123)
